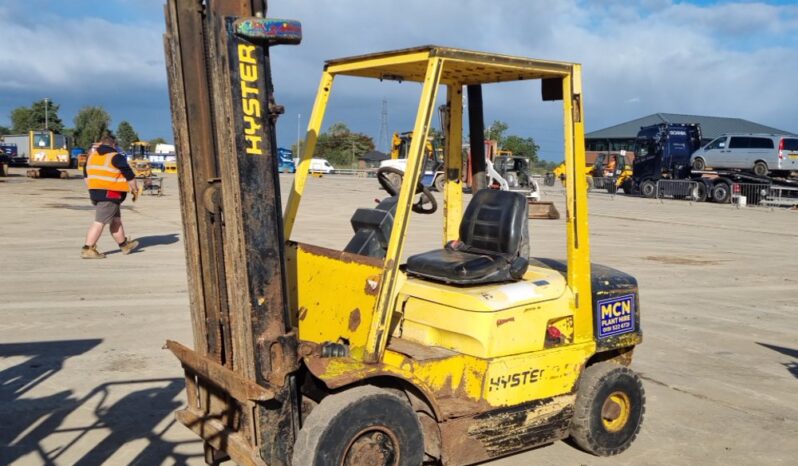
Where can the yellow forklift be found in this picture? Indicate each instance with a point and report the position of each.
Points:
(139, 160)
(307, 355)
(614, 171)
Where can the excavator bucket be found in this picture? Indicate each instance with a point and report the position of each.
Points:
(542, 210)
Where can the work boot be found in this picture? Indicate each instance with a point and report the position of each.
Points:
(128, 246)
(91, 253)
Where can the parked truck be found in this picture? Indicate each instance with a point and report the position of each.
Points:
(663, 152)
(7, 152)
(20, 142)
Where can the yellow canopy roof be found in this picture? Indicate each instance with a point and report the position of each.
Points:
(462, 67)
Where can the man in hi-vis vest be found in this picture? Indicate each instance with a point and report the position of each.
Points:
(109, 179)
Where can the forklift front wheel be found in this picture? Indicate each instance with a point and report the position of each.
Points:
(362, 425)
(609, 409)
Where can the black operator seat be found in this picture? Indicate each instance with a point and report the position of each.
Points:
(493, 245)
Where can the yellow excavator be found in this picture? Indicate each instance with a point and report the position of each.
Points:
(47, 155)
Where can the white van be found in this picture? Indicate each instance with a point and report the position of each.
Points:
(760, 153)
(321, 166)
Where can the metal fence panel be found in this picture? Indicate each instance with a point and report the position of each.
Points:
(677, 189)
(749, 194)
(782, 196)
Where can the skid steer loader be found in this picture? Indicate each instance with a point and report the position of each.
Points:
(307, 355)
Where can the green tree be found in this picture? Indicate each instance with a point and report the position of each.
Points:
(524, 147)
(156, 141)
(90, 124)
(24, 119)
(341, 146)
(496, 131)
(4, 130)
(126, 135)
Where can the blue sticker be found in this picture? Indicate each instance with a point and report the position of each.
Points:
(615, 315)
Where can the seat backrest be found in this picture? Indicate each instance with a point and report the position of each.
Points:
(496, 221)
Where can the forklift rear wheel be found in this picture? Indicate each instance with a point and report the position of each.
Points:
(609, 409)
(362, 425)
(648, 189)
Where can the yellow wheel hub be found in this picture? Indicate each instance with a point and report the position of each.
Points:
(615, 412)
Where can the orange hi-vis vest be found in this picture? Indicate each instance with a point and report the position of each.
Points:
(102, 174)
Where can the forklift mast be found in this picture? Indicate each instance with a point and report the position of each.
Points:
(240, 385)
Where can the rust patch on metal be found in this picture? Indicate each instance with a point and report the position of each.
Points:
(501, 322)
(350, 371)
(506, 430)
(303, 312)
(354, 319)
(306, 349)
(342, 256)
(417, 351)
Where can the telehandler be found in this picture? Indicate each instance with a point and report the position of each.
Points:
(307, 355)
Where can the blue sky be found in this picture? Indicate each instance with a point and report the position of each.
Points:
(720, 58)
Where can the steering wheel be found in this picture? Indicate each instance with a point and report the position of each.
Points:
(384, 175)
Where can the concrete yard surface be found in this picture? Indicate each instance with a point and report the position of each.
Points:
(84, 379)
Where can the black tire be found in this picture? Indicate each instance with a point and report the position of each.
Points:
(760, 168)
(722, 192)
(609, 409)
(627, 186)
(362, 425)
(699, 164)
(440, 183)
(611, 187)
(648, 189)
(549, 179)
(700, 193)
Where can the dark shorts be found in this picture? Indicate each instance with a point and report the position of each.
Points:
(105, 211)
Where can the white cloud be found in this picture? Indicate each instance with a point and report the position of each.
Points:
(82, 55)
(655, 55)
(728, 59)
